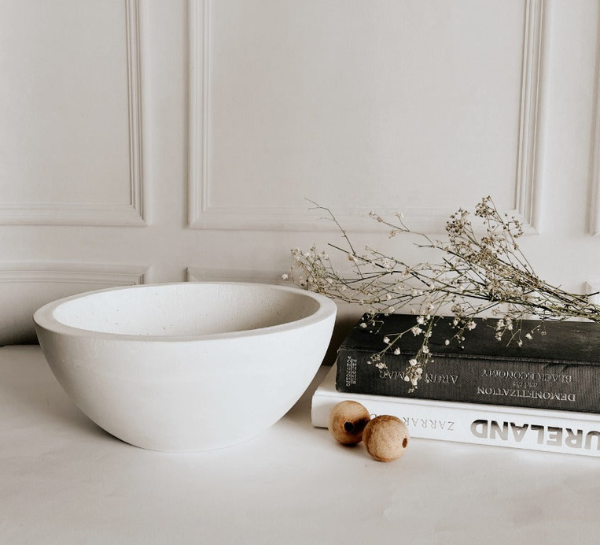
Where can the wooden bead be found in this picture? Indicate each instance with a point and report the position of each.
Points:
(347, 420)
(386, 438)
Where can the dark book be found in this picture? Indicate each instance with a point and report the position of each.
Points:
(557, 370)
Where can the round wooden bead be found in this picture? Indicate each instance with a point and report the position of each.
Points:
(347, 420)
(386, 438)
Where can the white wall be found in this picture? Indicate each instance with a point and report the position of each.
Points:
(158, 141)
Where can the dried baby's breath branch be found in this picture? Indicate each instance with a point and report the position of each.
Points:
(477, 275)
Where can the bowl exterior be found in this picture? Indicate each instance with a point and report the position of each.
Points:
(191, 395)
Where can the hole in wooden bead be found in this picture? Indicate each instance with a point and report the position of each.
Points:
(386, 438)
(347, 421)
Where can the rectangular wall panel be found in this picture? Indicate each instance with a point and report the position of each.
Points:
(422, 106)
(70, 114)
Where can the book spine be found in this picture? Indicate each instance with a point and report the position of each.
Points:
(522, 383)
(464, 423)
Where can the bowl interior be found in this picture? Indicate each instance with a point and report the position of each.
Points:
(186, 309)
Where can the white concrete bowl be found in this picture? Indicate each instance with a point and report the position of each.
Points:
(188, 366)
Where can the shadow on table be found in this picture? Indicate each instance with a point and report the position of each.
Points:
(300, 412)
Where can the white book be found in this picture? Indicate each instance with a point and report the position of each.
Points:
(515, 427)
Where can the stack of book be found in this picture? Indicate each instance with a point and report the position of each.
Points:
(542, 395)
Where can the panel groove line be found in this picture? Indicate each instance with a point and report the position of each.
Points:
(594, 204)
(73, 273)
(201, 274)
(27, 286)
(83, 214)
(202, 215)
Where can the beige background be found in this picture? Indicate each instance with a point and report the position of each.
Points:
(151, 141)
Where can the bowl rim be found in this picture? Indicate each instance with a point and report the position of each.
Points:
(44, 317)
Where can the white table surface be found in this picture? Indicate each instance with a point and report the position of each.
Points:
(65, 481)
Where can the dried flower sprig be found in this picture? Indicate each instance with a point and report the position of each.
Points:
(477, 275)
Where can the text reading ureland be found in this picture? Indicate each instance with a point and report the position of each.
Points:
(552, 436)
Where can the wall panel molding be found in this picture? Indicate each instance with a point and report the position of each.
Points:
(27, 286)
(130, 214)
(135, 111)
(527, 190)
(200, 274)
(198, 32)
(203, 215)
(594, 207)
(73, 273)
